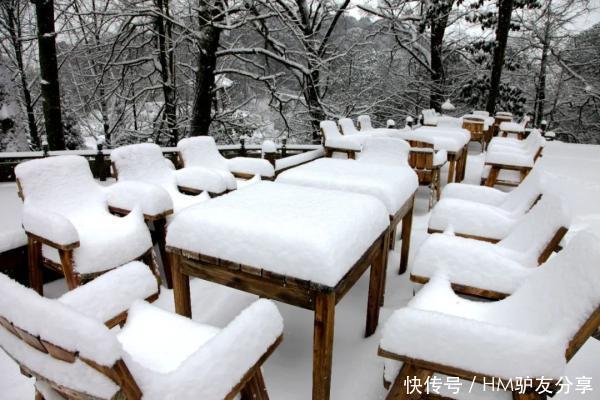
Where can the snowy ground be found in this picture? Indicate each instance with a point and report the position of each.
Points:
(357, 371)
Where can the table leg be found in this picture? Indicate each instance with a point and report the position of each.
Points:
(323, 344)
(389, 237)
(181, 287)
(463, 167)
(255, 389)
(451, 167)
(376, 288)
(36, 278)
(160, 233)
(406, 228)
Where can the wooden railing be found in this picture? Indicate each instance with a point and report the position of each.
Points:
(100, 159)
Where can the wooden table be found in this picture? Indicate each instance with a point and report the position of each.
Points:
(264, 281)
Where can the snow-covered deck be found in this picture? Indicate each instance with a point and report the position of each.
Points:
(357, 370)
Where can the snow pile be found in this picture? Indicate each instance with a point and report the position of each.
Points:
(64, 204)
(291, 161)
(364, 123)
(393, 186)
(196, 361)
(385, 151)
(306, 233)
(126, 195)
(268, 146)
(500, 267)
(448, 106)
(203, 152)
(113, 292)
(440, 327)
(334, 139)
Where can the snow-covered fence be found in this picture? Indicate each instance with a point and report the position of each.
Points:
(100, 159)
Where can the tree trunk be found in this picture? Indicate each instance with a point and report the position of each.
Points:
(540, 94)
(207, 42)
(44, 10)
(313, 101)
(165, 58)
(505, 10)
(438, 76)
(14, 28)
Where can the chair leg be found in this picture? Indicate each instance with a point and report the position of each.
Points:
(255, 389)
(38, 395)
(491, 179)
(416, 379)
(405, 246)
(66, 261)
(34, 257)
(161, 233)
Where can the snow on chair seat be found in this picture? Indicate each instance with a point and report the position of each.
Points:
(365, 126)
(334, 141)
(156, 355)
(522, 336)
(493, 270)
(70, 228)
(203, 152)
(482, 212)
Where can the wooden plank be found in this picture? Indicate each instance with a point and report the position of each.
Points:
(323, 345)
(255, 388)
(375, 287)
(59, 353)
(405, 247)
(552, 245)
(181, 287)
(68, 246)
(160, 235)
(34, 255)
(463, 289)
(475, 237)
(66, 261)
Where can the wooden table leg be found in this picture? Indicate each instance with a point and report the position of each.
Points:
(181, 287)
(160, 233)
(491, 179)
(451, 167)
(389, 237)
(463, 167)
(255, 389)
(323, 344)
(376, 288)
(404, 249)
(36, 280)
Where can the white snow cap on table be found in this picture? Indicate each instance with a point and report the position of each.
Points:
(392, 185)
(216, 361)
(113, 292)
(302, 232)
(440, 327)
(62, 188)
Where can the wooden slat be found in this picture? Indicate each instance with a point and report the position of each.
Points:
(475, 237)
(59, 353)
(30, 339)
(463, 289)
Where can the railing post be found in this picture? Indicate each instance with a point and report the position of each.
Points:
(283, 148)
(242, 146)
(99, 163)
(45, 146)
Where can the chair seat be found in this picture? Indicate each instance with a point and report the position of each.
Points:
(182, 201)
(513, 158)
(440, 158)
(159, 341)
(476, 193)
(203, 179)
(344, 143)
(512, 127)
(252, 166)
(106, 242)
(472, 218)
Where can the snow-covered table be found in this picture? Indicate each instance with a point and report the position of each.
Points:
(394, 186)
(302, 246)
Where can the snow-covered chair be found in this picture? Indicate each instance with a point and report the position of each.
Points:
(335, 142)
(513, 155)
(528, 337)
(427, 163)
(67, 218)
(364, 123)
(347, 127)
(365, 127)
(475, 126)
(514, 128)
(481, 112)
(71, 354)
(489, 270)
(202, 151)
(484, 213)
(504, 114)
(430, 117)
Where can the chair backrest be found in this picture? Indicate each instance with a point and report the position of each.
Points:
(347, 126)
(561, 298)
(61, 184)
(329, 129)
(385, 150)
(481, 112)
(537, 229)
(364, 123)
(474, 126)
(521, 198)
(75, 354)
(143, 163)
(429, 117)
(201, 151)
(420, 160)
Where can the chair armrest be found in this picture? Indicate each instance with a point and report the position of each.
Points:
(225, 360)
(293, 161)
(154, 201)
(500, 158)
(251, 166)
(50, 228)
(199, 179)
(107, 297)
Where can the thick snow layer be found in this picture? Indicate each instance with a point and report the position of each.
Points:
(441, 327)
(201, 178)
(530, 145)
(391, 185)
(152, 199)
(430, 117)
(475, 193)
(451, 122)
(12, 234)
(12, 239)
(62, 188)
(57, 323)
(512, 127)
(297, 159)
(512, 157)
(385, 151)
(113, 292)
(334, 139)
(500, 267)
(292, 230)
(268, 146)
(364, 123)
(347, 127)
(253, 166)
(208, 363)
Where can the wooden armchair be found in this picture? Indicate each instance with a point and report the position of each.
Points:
(427, 163)
(335, 142)
(475, 127)
(73, 355)
(69, 224)
(438, 332)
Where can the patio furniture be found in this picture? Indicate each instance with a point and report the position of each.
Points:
(393, 185)
(65, 345)
(302, 246)
(203, 152)
(475, 126)
(430, 117)
(69, 225)
(482, 212)
(513, 128)
(487, 270)
(532, 340)
(427, 163)
(365, 127)
(335, 142)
